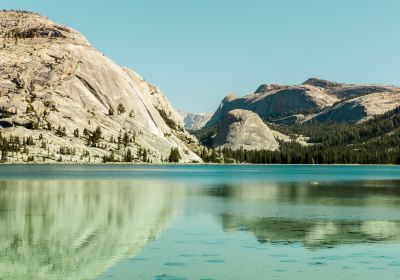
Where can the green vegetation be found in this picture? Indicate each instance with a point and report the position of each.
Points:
(168, 120)
(142, 155)
(94, 137)
(67, 151)
(14, 145)
(110, 158)
(121, 109)
(294, 153)
(128, 156)
(204, 135)
(174, 155)
(76, 133)
(126, 139)
(61, 131)
(29, 141)
(376, 141)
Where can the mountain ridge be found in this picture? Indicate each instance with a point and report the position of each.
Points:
(273, 102)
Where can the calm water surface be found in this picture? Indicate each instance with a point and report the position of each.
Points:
(199, 222)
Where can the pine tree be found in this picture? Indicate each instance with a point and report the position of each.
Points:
(121, 109)
(126, 139)
(76, 133)
(128, 156)
(174, 155)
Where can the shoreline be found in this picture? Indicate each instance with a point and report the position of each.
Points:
(188, 164)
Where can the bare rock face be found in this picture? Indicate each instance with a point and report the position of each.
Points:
(51, 77)
(244, 129)
(195, 121)
(314, 100)
(162, 104)
(273, 102)
(359, 109)
(268, 87)
(290, 120)
(321, 83)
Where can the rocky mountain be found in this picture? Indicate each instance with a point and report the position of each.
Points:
(273, 101)
(360, 108)
(66, 101)
(315, 99)
(244, 129)
(348, 91)
(194, 121)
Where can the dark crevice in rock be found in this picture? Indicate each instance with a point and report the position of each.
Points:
(92, 90)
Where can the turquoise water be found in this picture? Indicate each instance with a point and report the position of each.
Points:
(199, 222)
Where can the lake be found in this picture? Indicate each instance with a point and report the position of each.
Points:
(199, 222)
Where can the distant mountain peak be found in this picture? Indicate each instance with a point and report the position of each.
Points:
(195, 121)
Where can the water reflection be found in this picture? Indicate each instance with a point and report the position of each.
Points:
(77, 229)
(315, 234)
(322, 215)
(379, 193)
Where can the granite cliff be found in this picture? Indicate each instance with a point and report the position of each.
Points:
(244, 129)
(75, 104)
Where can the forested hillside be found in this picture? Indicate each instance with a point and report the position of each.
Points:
(376, 141)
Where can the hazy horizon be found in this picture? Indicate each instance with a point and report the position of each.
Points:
(205, 50)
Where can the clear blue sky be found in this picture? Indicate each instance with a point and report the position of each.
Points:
(199, 51)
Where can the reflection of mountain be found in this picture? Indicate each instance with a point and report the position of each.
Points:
(356, 193)
(315, 215)
(315, 234)
(77, 229)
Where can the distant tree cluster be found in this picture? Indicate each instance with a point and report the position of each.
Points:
(142, 155)
(14, 144)
(168, 120)
(61, 131)
(67, 151)
(93, 137)
(19, 11)
(294, 153)
(33, 32)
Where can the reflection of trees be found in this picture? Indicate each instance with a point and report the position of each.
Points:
(382, 193)
(77, 229)
(260, 203)
(314, 234)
